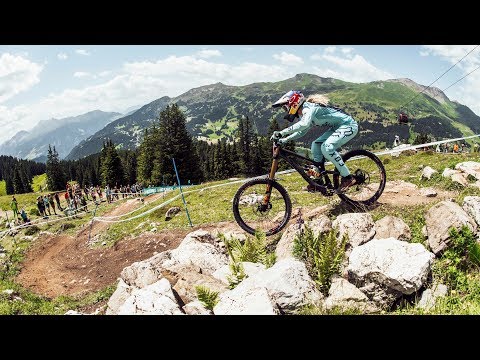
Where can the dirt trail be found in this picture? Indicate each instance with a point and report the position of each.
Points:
(65, 265)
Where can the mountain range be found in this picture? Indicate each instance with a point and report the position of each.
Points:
(213, 112)
(63, 133)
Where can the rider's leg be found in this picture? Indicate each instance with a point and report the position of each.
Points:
(339, 137)
(317, 145)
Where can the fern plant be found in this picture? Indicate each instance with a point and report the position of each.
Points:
(254, 250)
(322, 255)
(207, 297)
(462, 255)
(238, 274)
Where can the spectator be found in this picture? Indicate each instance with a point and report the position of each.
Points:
(455, 148)
(57, 199)
(24, 216)
(47, 205)
(52, 203)
(41, 207)
(14, 206)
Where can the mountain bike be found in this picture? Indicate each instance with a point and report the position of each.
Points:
(262, 204)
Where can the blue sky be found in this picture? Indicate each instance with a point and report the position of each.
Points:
(42, 82)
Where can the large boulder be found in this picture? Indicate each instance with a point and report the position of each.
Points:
(469, 168)
(460, 179)
(359, 227)
(118, 298)
(198, 249)
(154, 299)
(384, 269)
(345, 296)
(319, 225)
(391, 226)
(440, 218)
(287, 283)
(251, 301)
(188, 278)
(471, 205)
(249, 269)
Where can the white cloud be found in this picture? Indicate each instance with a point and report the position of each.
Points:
(424, 53)
(81, 74)
(137, 83)
(62, 56)
(354, 68)
(347, 50)
(17, 74)
(288, 59)
(104, 73)
(330, 49)
(466, 91)
(208, 53)
(82, 52)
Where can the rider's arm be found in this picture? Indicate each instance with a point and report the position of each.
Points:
(300, 127)
(295, 135)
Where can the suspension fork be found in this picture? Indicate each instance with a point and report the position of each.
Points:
(271, 176)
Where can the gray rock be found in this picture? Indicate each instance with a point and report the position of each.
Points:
(447, 172)
(427, 172)
(359, 227)
(172, 212)
(471, 205)
(121, 294)
(250, 301)
(196, 308)
(430, 296)
(386, 268)
(188, 278)
(391, 226)
(285, 245)
(428, 192)
(317, 212)
(288, 285)
(460, 179)
(469, 168)
(249, 268)
(440, 218)
(347, 296)
(154, 299)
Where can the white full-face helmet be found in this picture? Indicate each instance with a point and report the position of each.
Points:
(291, 102)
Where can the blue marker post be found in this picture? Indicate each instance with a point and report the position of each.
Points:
(181, 192)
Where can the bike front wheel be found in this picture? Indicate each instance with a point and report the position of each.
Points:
(369, 174)
(252, 215)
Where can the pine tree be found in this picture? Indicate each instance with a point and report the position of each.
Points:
(55, 175)
(111, 166)
(146, 156)
(17, 181)
(174, 141)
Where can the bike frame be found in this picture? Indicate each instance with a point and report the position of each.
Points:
(289, 156)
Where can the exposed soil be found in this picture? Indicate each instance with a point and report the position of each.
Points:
(67, 265)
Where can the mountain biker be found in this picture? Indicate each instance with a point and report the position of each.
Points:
(315, 110)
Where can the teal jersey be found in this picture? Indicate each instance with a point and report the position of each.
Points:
(314, 114)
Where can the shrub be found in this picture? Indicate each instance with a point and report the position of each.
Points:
(462, 255)
(32, 230)
(322, 255)
(34, 211)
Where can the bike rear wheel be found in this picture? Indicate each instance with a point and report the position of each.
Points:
(370, 174)
(252, 216)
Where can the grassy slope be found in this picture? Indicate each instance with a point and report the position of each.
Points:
(39, 182)
(3, 190)
(214, 205)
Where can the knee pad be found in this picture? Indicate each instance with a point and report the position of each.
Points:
(327, 149)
